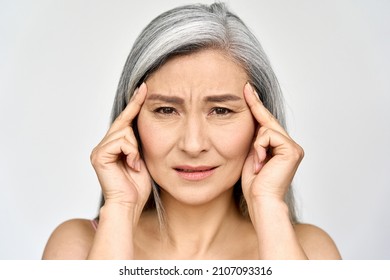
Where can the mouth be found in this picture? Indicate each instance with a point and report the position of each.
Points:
(195, 173)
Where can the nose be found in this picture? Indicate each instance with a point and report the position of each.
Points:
(194, 139)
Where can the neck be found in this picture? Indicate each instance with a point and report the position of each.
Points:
(196, 231)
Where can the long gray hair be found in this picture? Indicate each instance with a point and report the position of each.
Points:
(188, 29)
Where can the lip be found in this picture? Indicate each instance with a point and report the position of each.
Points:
(194, 173)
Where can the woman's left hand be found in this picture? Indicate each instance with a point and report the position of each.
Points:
(273, 159)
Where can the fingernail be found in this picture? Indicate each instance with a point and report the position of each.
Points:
(142, 86)
(256, 167)
(248, 86)
(134, 93)
(130, 162)
(253, 90)
(138, 165)
(255, 162)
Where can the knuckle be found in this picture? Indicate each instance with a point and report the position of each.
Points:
(259, 145)
(301, 152)
(94, 157)
(264, 130)
(297, 152)
(256, 144)
(122, 141)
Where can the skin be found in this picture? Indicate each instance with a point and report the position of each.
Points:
(197, 110)
(198, 117)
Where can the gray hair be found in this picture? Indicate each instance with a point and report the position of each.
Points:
(188, 29)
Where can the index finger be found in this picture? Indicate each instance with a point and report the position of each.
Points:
(260, 112)
(127, 116)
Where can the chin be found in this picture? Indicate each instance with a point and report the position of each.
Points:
(195, 195)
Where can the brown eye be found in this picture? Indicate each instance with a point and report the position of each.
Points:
(165, 110)
(221, 111)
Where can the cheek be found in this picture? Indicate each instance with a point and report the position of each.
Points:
(155, 139)
(147, 135)
(235, 142)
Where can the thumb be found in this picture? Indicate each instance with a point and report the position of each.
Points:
(249, 168)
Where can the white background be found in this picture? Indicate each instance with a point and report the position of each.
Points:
(60, 63)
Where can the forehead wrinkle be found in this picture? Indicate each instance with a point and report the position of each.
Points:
(166, 98)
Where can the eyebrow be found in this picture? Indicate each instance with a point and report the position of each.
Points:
(179, 100)
(165, 98)
(222, 98)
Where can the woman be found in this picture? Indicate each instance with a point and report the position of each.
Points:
(197, 163)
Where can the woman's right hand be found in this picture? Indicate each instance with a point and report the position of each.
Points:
(122, 173)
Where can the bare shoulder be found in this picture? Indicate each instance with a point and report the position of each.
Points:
(71, 240)
(316, 243)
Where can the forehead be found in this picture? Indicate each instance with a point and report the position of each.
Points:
(204, 71)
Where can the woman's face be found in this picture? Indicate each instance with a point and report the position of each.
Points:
(195, 126)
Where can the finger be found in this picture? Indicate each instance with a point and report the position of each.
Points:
(112, 151)
(281, 146)
(126, 132)
(260, 112)
(132, 109)
(259, 156)
(268, 138)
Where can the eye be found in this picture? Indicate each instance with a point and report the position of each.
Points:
(220, 111)
(165, 110)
